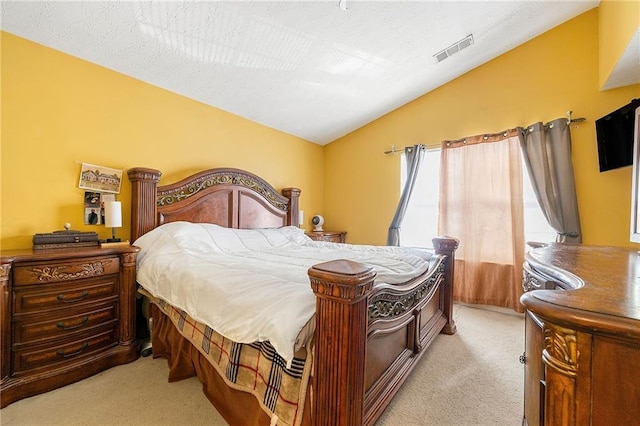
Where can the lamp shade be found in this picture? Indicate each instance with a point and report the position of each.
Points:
(113, 214)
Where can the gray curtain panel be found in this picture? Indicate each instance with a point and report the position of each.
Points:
(547, 155)
(414, 159)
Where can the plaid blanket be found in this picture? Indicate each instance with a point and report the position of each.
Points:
(255, 368)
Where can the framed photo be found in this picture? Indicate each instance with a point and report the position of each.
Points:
(99, 178)
(92, 199)
(94, 205)
(92, 216)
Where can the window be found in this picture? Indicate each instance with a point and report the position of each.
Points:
(420, 223)
(536, 227)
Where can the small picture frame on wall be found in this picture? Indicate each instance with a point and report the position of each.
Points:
(99, 178)
(92, 199)
(92, 216)
(92, 208)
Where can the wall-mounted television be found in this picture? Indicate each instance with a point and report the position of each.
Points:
(614, 133)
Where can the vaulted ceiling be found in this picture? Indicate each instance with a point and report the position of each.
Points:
(314, 69)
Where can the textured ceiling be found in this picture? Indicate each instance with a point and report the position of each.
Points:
(308, 68)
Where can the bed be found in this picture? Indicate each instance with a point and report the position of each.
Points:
(361, 343)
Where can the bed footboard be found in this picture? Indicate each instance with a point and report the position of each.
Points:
(361, 358)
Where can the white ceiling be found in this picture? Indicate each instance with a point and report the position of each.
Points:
(308, 68)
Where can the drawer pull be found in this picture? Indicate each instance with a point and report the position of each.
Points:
(73, 327)
(82, 296)
(62, 354)
(523, 358)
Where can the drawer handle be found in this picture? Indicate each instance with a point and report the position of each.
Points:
(523, 358)
(82, 296)
(73, 327)
(62, 354)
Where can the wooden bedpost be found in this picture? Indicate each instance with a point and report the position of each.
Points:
(293, 194)
(448, 246)
(144, 184)
(341, 288)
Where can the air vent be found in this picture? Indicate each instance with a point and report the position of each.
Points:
(454, 48)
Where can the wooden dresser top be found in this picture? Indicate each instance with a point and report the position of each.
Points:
(17, 255)
(606, 282)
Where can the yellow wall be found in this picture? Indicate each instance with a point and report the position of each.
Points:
(59, 111)
(618, 22)
(538, 81)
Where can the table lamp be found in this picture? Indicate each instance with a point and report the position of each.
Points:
(113, 218)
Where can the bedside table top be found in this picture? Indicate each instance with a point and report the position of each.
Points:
(329, 236)
(325, 232)
(71, 252)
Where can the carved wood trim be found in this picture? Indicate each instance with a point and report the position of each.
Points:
(58, 273)
(529, 282)
(386, 305)
(4, 271)
(561, 349)
(343, 281)
(534, 281)
(128, 258)
(210, 178)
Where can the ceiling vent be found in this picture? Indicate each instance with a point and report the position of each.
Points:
(454, 48)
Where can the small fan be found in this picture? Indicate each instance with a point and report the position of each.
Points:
(317, 222)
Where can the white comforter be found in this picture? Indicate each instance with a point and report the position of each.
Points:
(252, 285)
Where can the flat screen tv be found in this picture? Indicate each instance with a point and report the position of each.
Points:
(614, 133)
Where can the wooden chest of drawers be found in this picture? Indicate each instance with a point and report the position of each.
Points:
(331, 236)
(582, 341)
(66, 315)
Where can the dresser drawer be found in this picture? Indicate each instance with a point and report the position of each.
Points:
(39, 356)
(334, 238)
(43, 328)
(63, 296)
(77, 269)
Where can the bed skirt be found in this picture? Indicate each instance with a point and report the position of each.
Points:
(179, 339)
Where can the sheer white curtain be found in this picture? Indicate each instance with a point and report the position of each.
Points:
(481, 205)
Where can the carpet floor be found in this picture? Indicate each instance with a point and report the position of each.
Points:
(472, 378)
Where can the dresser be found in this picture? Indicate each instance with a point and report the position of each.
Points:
(331, 236)
(582, 336)
(66, 314)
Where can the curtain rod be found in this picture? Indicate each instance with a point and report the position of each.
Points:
(574, 120)
(394, 151)
(569, 121)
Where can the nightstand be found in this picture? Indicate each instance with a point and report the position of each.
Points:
(67, 314)
(331, 236)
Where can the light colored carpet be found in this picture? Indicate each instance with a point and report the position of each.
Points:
(472, 378)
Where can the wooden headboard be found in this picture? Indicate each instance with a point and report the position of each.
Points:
(227, 197)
